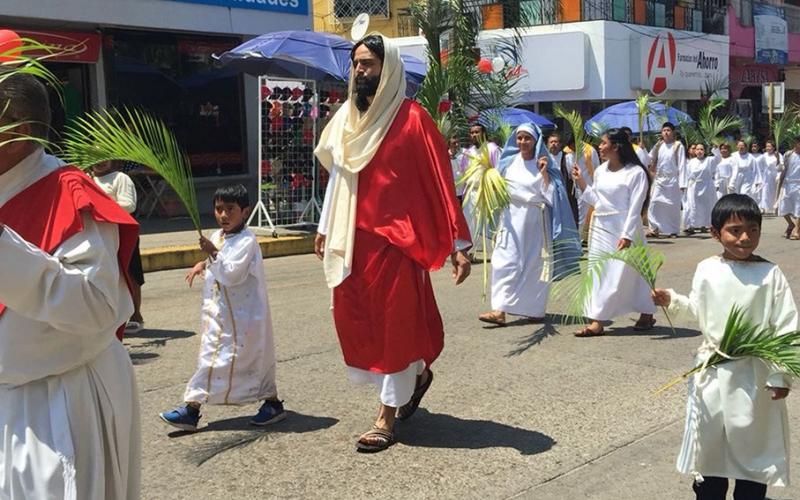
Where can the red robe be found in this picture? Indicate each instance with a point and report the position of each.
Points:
(48, 212)
(407, 220)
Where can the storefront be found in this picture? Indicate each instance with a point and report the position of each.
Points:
(157, 55)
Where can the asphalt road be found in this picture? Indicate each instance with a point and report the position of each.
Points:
(518, 412)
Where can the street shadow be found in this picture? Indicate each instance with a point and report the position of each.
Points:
(244, 434)
(437, 430)
(661, 242)
(546, 331)
(141, 352)
(658, 332)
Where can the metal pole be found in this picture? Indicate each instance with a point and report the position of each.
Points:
(771, 103)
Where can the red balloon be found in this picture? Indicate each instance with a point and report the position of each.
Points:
(485, 66)
(10, 42)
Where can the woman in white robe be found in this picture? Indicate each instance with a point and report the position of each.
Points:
(700, 192)
(724, 170)
(619, 197)
(520, 277)
(772, 158)
(746, 173)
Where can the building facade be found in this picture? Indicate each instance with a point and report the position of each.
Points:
(158, 55)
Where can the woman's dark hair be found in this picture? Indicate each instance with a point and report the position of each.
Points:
(774, 146)
(374, 43)
(233, 193)
(628, 156)
(735, 205)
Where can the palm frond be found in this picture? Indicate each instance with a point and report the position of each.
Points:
(487, 187)
(573, 118)
(135, 136)
(644, 106)
(743, 338)
(710, 126)
(781, 127)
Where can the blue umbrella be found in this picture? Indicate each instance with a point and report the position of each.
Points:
(416, 69)
(293, 54)
(512, 116)
(625, 114)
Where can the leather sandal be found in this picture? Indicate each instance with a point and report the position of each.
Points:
(408, 409)
(375, 440)
(588, 332)
(639, 326)
(493, 318)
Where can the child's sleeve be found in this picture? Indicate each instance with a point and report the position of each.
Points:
(232, 264)
(681, 306)
(784, 320)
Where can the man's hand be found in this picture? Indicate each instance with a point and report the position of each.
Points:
(319, 246)
(208, 247)
(199, 269)
(778, 392)
(542, 165)
(623, 243)
(461, 266)
(661, 297)
(578, 177)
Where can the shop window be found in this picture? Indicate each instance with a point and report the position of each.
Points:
(661, 13)
(176, 79)
(348, 9)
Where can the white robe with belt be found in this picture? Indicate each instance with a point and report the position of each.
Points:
(733, 427)
(236, 364)
(700, 193)
(617, 198)
(664, 213)
(789, 203)
(746, 176)
(520, 281)
(69, 410)
(724, 171)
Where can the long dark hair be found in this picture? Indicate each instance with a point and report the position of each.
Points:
(628, 156)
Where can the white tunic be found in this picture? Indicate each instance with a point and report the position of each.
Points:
(724, 172)
(769, 176)
(69, 417)
(700, 192)
(746, 178)
(236, 364)
(583, 207)
(790, 191)
(617, 198)
(120, 188)
(664, 213)
(520, 281)
(733, 427)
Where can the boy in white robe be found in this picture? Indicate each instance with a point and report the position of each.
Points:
(722, 177)
(746, 174)
(734, 427)
(772, 160)
(789, 204)
(236, 364)
(668, 167)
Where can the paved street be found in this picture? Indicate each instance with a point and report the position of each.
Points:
(516, 412)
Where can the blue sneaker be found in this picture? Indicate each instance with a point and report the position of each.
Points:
(184, 418)
(269, 413)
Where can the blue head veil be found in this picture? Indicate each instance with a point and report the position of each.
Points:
(566, 239)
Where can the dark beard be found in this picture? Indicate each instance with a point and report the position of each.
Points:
(365, 87)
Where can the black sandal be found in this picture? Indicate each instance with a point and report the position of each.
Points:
(408, 409)
(375, 440)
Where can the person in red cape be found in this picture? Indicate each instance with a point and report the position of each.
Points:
(389, 217)
(69, 412)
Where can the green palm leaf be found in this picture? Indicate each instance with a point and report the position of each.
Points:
(710, 126)
(573, 118)
(134, 136)
(742, 338)
(489, 189)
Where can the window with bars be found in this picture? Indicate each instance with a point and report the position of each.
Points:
(538, 12)
(608, 10)
(660, 13)
(347, 9)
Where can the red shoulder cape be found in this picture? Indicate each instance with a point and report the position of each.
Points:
(48, 212)
(407, 194)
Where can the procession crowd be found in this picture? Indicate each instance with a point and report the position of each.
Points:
(391, 215)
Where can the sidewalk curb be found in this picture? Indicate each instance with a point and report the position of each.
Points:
(185, 256)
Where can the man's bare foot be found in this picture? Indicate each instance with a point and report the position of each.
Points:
(493, 317)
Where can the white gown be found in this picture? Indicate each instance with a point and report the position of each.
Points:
(722, 177)
(789, 203)
(583, 207)
(664, 213)
(746, 176)
(700, 192)
(769, 175)
(236, 364)
(733, 427)
(521, 257)
(69, 409)
(617, 198)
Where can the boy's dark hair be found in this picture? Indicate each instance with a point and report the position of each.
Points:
(233, 193)
(735, 205)
(668, 125)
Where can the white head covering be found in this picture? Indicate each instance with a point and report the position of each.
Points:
(348, 143)
(525, 127)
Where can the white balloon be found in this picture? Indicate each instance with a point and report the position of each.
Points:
(498, 64)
